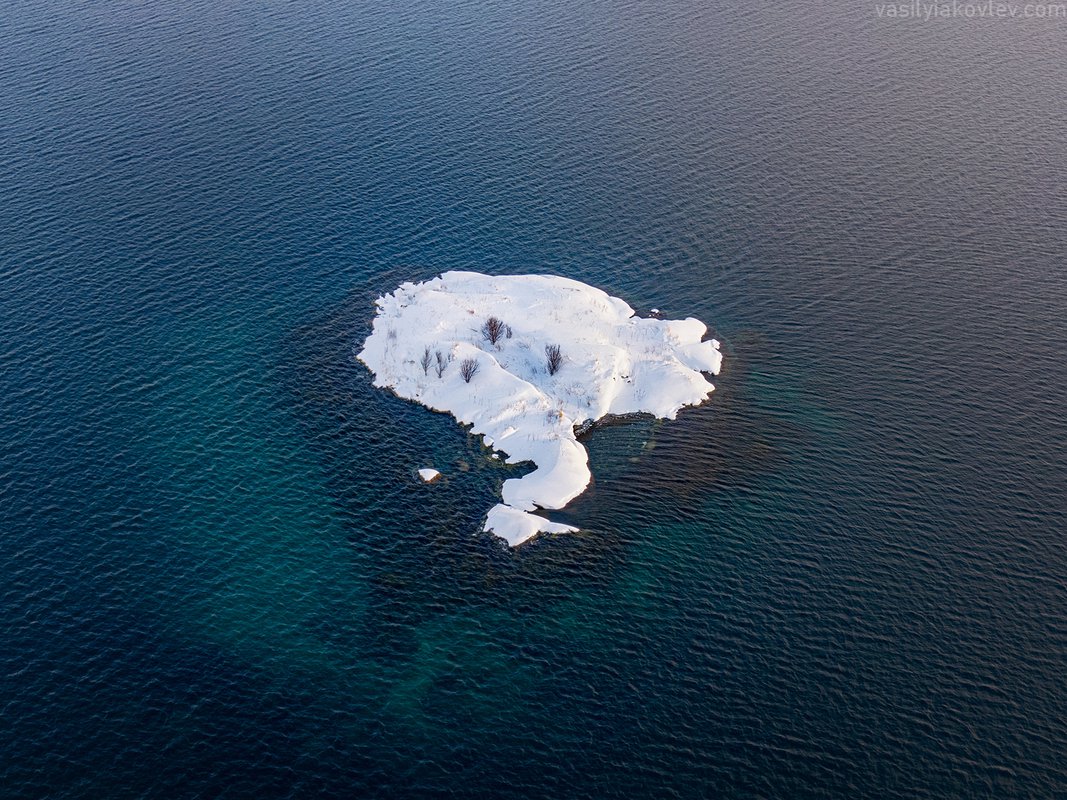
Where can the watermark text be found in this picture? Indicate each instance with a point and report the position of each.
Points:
(990, 9)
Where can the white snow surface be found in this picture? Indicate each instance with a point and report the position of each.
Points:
(428, 474)
(613, 363)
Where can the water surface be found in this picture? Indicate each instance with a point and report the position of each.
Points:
(842, 577)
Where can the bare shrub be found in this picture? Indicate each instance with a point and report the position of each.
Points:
(507, 331)
(424, 362)
(467, 368)
(553, 358)
(493, 329)
(441, 364)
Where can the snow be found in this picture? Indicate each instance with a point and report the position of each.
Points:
(515, 527)
(613, 363)
(428, 474)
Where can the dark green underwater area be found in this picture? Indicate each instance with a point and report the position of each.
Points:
(841, 577)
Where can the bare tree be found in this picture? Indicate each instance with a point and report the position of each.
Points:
(467, 368)
(493, 329)
(441, 364)
(424, 362)
(553, 358)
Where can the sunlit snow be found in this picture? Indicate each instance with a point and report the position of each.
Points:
(612, 362)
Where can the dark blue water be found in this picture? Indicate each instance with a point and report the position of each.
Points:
(843, 577)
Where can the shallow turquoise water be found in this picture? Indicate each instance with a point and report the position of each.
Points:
(842, 577)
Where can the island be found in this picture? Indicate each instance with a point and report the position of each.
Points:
(528, 359)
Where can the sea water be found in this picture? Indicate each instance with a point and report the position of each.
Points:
(842, 577)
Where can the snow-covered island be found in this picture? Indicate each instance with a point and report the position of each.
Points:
(526, 358)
